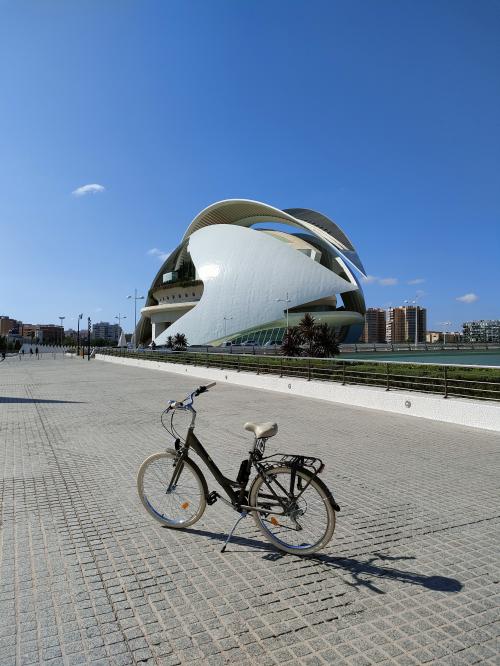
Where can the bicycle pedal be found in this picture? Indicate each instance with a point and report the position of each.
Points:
(212, 497)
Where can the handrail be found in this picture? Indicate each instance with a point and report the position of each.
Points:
(441, 380)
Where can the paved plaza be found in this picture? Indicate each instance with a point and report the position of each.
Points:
(411, 575)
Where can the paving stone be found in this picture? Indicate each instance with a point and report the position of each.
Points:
(88, 577)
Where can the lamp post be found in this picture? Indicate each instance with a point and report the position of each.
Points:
(80, 316)
(120, 316)
(62, 325)
(414, 302)
(445, 323)
(226, 319)
(285, 300)
(89, 331)
(136, 298)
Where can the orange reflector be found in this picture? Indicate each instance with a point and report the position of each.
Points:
(274, 520)
(184, 505)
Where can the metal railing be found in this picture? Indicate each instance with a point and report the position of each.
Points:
(448, 381)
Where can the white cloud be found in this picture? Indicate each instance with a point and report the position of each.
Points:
(467, 298)
(93, 188)
(384, 282)
(416, 281)
(155, 252)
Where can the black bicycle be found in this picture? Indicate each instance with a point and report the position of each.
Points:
(291, 506)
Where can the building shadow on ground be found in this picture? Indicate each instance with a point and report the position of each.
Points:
(363, 572)
(36, 400)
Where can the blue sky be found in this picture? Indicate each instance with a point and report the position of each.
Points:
(383, 115)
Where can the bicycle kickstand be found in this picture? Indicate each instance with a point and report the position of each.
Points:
(243, 514)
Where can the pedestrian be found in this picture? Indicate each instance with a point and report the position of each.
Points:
(36, 351)
(31, 352)
(19, 354)
(22, 350)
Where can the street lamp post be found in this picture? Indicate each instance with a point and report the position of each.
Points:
(89, 331)
(80, 316)
(120, 316)
(285, 300)
(136, 298)
(226, 319)
(62, 325)
(445, 323)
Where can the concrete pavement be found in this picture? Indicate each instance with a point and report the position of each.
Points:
(87, 576)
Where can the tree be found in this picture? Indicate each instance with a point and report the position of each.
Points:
(292, 342)
(169, 343)
(180, 342)
(326, 341)
(311, 339)
(307, 328)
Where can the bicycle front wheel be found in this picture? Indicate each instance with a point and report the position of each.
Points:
(297, 515)
(173, 492)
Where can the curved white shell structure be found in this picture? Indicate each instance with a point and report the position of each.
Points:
(227, 280)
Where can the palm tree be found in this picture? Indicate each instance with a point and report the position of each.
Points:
(169, 343)
(326, 341)
(307, 328)
(292, 342)
(180, 342)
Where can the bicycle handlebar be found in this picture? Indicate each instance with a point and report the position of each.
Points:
(188, 400)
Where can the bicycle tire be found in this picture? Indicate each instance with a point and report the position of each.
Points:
(280, 531)
(185, 503)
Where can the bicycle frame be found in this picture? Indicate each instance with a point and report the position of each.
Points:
(228, 485)
(237, 490)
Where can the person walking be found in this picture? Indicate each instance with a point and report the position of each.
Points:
(22, 350)
(36, 352)
(31, 352)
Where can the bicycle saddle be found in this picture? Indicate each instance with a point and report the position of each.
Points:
(262, 430)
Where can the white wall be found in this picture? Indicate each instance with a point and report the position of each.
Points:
(462, 411)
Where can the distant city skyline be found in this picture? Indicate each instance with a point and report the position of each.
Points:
(123, 120)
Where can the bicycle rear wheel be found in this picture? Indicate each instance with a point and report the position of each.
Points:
(178, 504)
(301, 518)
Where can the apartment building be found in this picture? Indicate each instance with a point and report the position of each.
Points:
(402, 321)
(374, 329)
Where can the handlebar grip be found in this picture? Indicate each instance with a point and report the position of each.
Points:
(207, 386)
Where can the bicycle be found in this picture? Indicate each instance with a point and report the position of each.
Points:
(291, 506)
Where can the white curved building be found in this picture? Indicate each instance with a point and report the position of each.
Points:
(239, 261)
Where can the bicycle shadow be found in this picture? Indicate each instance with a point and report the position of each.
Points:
(358, 569)
(15, 399)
